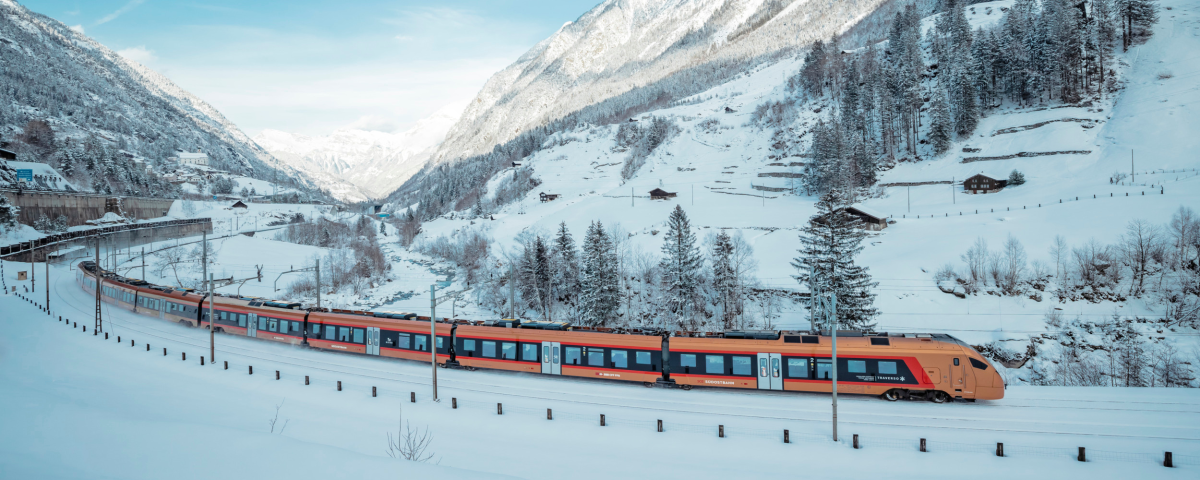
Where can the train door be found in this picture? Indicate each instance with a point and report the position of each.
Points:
(956, 376)
(770, 371)
(372, 341)
(552, 358)
(252, 326)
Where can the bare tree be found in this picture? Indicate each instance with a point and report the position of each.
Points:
(1138, 248)
(1013, 264)
(275, 420)
(1184, 230)
(1170, 369)
(976, 259)
(172, 258)
(410, 444)
(1059, 251)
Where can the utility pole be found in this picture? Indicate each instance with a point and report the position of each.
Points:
(204, 256)
(46, 259)
(143, 263)
(32, 271)
(212, 320)
(433, 335)
(833, 329)
(318, 285)
(512, 293)
(910, 199)
(631, 196)
(99, 327)
(1132, 168)
(953, 194)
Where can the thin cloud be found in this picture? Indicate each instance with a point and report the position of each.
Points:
(79, 28)
(120, 11)
(139, 54)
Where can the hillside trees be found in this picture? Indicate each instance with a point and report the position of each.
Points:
(680, 264)
(599, 295)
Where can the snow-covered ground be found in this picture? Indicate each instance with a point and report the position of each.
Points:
(78, 406)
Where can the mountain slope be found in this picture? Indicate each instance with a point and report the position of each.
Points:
(82, 88)
(622, 45)
(357, 165)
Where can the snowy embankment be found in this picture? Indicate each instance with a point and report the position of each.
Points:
(79, 406)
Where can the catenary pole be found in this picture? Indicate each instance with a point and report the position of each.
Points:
(318, 285)
(212, 321)
(143, 263)
(833, 331)
(46, 259)
(433, 335)
(99, 326)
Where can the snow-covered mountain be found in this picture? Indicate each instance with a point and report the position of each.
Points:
(82, 88)
(623, 45)
(356, 165)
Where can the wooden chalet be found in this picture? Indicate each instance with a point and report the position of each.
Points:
(240, 205)
(548, 197)
(983, 184)
(660, 194)
(7, 155)
(863, 218)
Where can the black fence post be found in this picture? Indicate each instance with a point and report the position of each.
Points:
(306, 379)
(339, 385)
(184, 355)
(454, 402)
(202, 360)
(251, 369)
(720, 431)
(999, 449)
(601, 419)
(373, 393)
(660, 426)
(1082, 454)
(164, 349)
(923, 445)
(549, 414)
(227, 364)
(786, 438)
(499, 409)
(412, 397)
(277, 374)
(856, 441)
(1167, 462)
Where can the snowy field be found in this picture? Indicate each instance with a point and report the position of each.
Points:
(77, 406)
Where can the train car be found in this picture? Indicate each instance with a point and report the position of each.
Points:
(257, 318)
(894, 366)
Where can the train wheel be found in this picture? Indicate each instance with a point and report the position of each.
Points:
(686, 387)
(891, 395)
(939, 397)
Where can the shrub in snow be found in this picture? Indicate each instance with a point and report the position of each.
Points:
(1016, 178)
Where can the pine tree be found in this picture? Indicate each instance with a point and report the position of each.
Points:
(565, 262)
(941, 130)
(725, 278)
(9, 213)
(599, 296)
(680, 264)
(534, 278)
(829, 244)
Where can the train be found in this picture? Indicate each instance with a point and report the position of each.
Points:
(894, 366)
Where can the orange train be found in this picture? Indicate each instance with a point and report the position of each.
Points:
(935, 367)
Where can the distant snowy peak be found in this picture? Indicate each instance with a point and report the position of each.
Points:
(624, 44)
(366, 163)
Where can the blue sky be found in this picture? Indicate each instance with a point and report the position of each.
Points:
(311, 66)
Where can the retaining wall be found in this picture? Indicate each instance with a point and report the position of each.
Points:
(79, 208)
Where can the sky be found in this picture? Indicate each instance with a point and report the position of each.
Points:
(312, 66)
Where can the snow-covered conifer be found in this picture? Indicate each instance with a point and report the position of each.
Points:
(829, 244)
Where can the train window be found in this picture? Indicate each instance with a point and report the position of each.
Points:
(468, 345)
(643, 358)
(314, 330)
(508, 351)
(978, 364)
(296, 327)
(687, 360)
(439, 342)
(223, 315)
(856, 366)
(262, 323)
(956, 362)
(242, 321)
(797, 367)
(529, 352)
(404, 341)
(343, 334)
(421, 341)
(330, 332)
(620, 359)
(742, 365)
(595, 357)
(887, 368)
(824, 369)
(272, 325)
(573, 355)
(358, 335)
(714, 364)
(489, 349)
